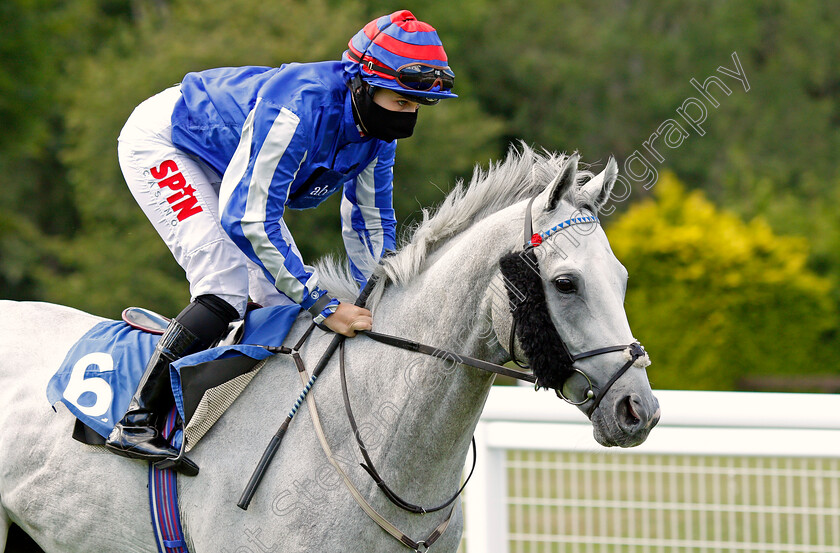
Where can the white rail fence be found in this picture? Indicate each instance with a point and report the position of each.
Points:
(722, 472)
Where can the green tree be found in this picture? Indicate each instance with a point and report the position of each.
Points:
(39, 39)
(601, 77)
(116, 259)
(715, 299)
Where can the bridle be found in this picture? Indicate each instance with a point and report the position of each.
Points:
(567, 361)
(566, 358)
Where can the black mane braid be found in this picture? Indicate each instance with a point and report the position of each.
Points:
(546, 353)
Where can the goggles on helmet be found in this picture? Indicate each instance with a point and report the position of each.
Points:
(415, 76)
(422, 77)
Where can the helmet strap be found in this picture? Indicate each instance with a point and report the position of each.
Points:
(357, 86)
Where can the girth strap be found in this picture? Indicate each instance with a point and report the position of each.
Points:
(417, 546)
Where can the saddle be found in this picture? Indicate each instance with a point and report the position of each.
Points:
(204, 384)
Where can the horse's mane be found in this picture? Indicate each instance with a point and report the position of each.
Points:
(524, 173)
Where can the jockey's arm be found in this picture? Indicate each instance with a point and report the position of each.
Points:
(368, 221)
(254, 192)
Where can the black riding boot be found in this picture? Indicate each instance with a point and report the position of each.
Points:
(137, 435)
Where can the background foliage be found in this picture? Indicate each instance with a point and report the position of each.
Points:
(733, 272)
(719, 300)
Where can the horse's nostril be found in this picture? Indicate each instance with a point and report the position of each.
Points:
(633, 412)
(630, 413)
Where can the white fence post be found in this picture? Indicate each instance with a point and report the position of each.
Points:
(486, 524)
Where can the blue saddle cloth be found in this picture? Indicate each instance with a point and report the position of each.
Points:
(101, 372)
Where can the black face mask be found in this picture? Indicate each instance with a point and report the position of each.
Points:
(379, 122)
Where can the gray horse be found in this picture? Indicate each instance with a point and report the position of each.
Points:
(416, 413)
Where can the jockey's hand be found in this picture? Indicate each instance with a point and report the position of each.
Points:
(349, 318)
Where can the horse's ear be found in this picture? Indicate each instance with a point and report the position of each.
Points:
(596, 191)
(564, 182)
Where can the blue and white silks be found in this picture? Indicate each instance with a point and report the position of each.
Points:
(285, 137)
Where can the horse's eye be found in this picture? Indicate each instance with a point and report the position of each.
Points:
(565, 286)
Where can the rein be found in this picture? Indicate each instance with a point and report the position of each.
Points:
(308, 382)
(417, 546)
(371, 469)
(411, 345)
(566, 360)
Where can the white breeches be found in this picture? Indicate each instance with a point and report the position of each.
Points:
(180, 196)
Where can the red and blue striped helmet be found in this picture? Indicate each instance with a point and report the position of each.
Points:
(403, 54)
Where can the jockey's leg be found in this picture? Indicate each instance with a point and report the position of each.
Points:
(137, 435)
(180, 197)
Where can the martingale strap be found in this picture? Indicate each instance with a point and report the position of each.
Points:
(417, 546)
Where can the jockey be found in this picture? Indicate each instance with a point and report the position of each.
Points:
(215, 162)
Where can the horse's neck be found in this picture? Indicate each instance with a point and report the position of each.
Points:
(440, 401)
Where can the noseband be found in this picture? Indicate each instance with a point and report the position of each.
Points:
(549, 356)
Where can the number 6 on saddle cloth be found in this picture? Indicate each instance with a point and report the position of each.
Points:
(100, 373)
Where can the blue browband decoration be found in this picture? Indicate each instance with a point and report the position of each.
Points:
(566, 224)
(534, 239)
